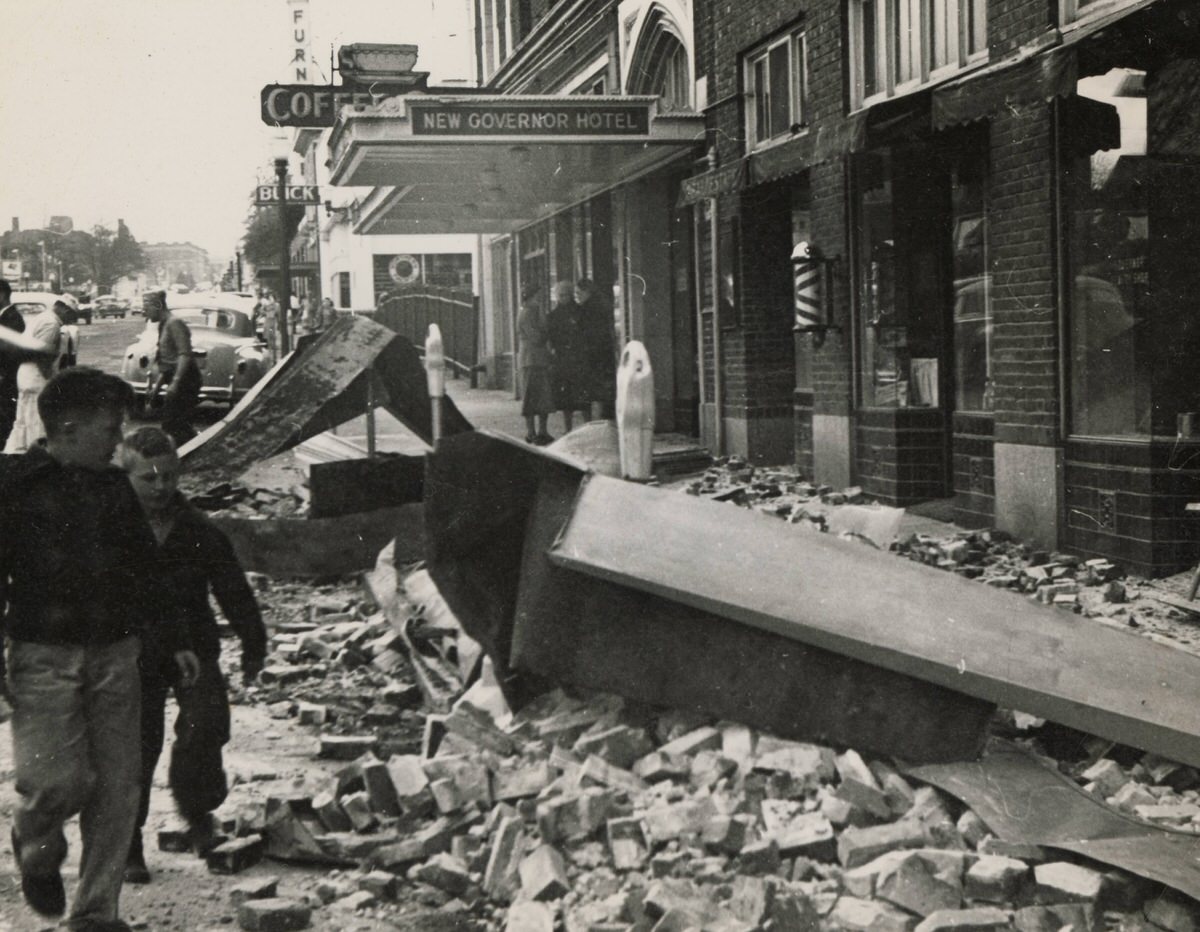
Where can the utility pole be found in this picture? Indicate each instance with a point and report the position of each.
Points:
(285, 270)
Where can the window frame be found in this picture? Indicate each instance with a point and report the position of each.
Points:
(796, 42)
(1071, 11)
(897, 39)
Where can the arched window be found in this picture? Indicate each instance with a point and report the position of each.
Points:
(659, 65)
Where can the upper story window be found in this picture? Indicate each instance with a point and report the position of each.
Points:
(898, 45)
(776, 82)
(1071, 10)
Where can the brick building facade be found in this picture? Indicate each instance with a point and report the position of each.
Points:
(1004, 282)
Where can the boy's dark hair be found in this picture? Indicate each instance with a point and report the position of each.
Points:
(149, 442)
(81, 391)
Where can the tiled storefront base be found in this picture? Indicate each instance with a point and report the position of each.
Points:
(974, 471)
(900, 454)
(1125, 501)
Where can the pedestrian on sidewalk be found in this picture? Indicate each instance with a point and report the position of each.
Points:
(533, 364)
(568, 365)
(195, 557)
(177, 369)
(78, 568)
(600, 361)
(10, 362)
(42, 344)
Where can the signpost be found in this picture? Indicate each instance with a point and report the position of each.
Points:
(266, 195)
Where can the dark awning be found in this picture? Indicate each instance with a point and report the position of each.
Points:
(828, 140)
(1040, 72)
(724, 180)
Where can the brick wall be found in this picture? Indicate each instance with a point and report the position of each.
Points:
(1022, 249)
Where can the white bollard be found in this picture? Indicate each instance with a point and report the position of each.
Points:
(435, 376)
(635, 412)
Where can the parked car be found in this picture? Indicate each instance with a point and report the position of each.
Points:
(230, 356)
(108, 305)
(32, 303)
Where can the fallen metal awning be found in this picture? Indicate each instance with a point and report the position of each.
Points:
(834, 594)
(494, 163)
(579, 578)
(324, 383)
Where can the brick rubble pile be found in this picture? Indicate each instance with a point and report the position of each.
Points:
(589, 814)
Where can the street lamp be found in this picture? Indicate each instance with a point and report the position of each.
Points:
(281, 151)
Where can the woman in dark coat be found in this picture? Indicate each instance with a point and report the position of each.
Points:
(533, 366)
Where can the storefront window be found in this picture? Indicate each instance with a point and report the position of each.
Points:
(1109, 284)
(882, 331)
(972, 284)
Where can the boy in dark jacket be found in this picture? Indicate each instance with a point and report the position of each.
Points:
(78, 570)
(194, 558)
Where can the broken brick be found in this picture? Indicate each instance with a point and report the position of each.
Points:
(575, 817)
(709, 767)
(1063, 882)
(357, 807)
(543, 874)
(658, 766)
(273, 915)
(520, 782)
(621, 745)
(857, 915)
(381, 792)
(381, 884)
(995, 879)
(674, 820)
(810, 764)
(330, 812)
(978, 919)
(471, 779)
(346, 747)
(259, 888)
(446, 796)
(729, 833)
(234, 856)
(599, 771)
(445, 872)
(501, 877)
(706, 738)
(627, 843)
(399, 855)
(529, 917)
(359, 899)
(760, 857)
(1107, 776)
(911, 883)
(1078, 917)
(859, 845)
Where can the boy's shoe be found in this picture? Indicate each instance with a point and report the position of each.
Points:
(46, 894)
(135, 863)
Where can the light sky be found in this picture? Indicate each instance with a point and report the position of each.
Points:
(148, 110)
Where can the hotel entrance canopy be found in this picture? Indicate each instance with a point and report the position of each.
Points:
(494, 163)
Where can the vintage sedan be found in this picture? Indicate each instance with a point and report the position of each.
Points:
(231, 358)
(108, 305)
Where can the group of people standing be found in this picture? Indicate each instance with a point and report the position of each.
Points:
(306, 316)
(565, 356)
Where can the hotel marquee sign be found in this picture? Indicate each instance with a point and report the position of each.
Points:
(437, 118)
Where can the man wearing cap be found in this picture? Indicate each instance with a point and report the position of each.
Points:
(10, 361)
(177, 369)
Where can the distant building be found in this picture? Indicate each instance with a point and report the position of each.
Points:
(166, 262)
(61, 224)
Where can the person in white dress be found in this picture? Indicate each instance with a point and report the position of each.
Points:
(43, 338)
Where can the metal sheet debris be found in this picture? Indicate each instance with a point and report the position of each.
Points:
(314, 390)
(1026, 801)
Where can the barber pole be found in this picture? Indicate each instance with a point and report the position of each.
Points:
(807, 275)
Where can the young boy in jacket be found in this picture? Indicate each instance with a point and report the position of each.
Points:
(194, 559)
(78, 578)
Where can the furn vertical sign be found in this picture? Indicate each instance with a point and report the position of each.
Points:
(299, 41)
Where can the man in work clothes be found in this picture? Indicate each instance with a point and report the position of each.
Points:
(177, 369)
(79, 577)
(194, 558)
(10, 362)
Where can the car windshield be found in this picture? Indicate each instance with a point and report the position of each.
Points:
(232, 322)
(29, 308)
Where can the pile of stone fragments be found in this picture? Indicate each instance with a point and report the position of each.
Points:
(587, 813)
